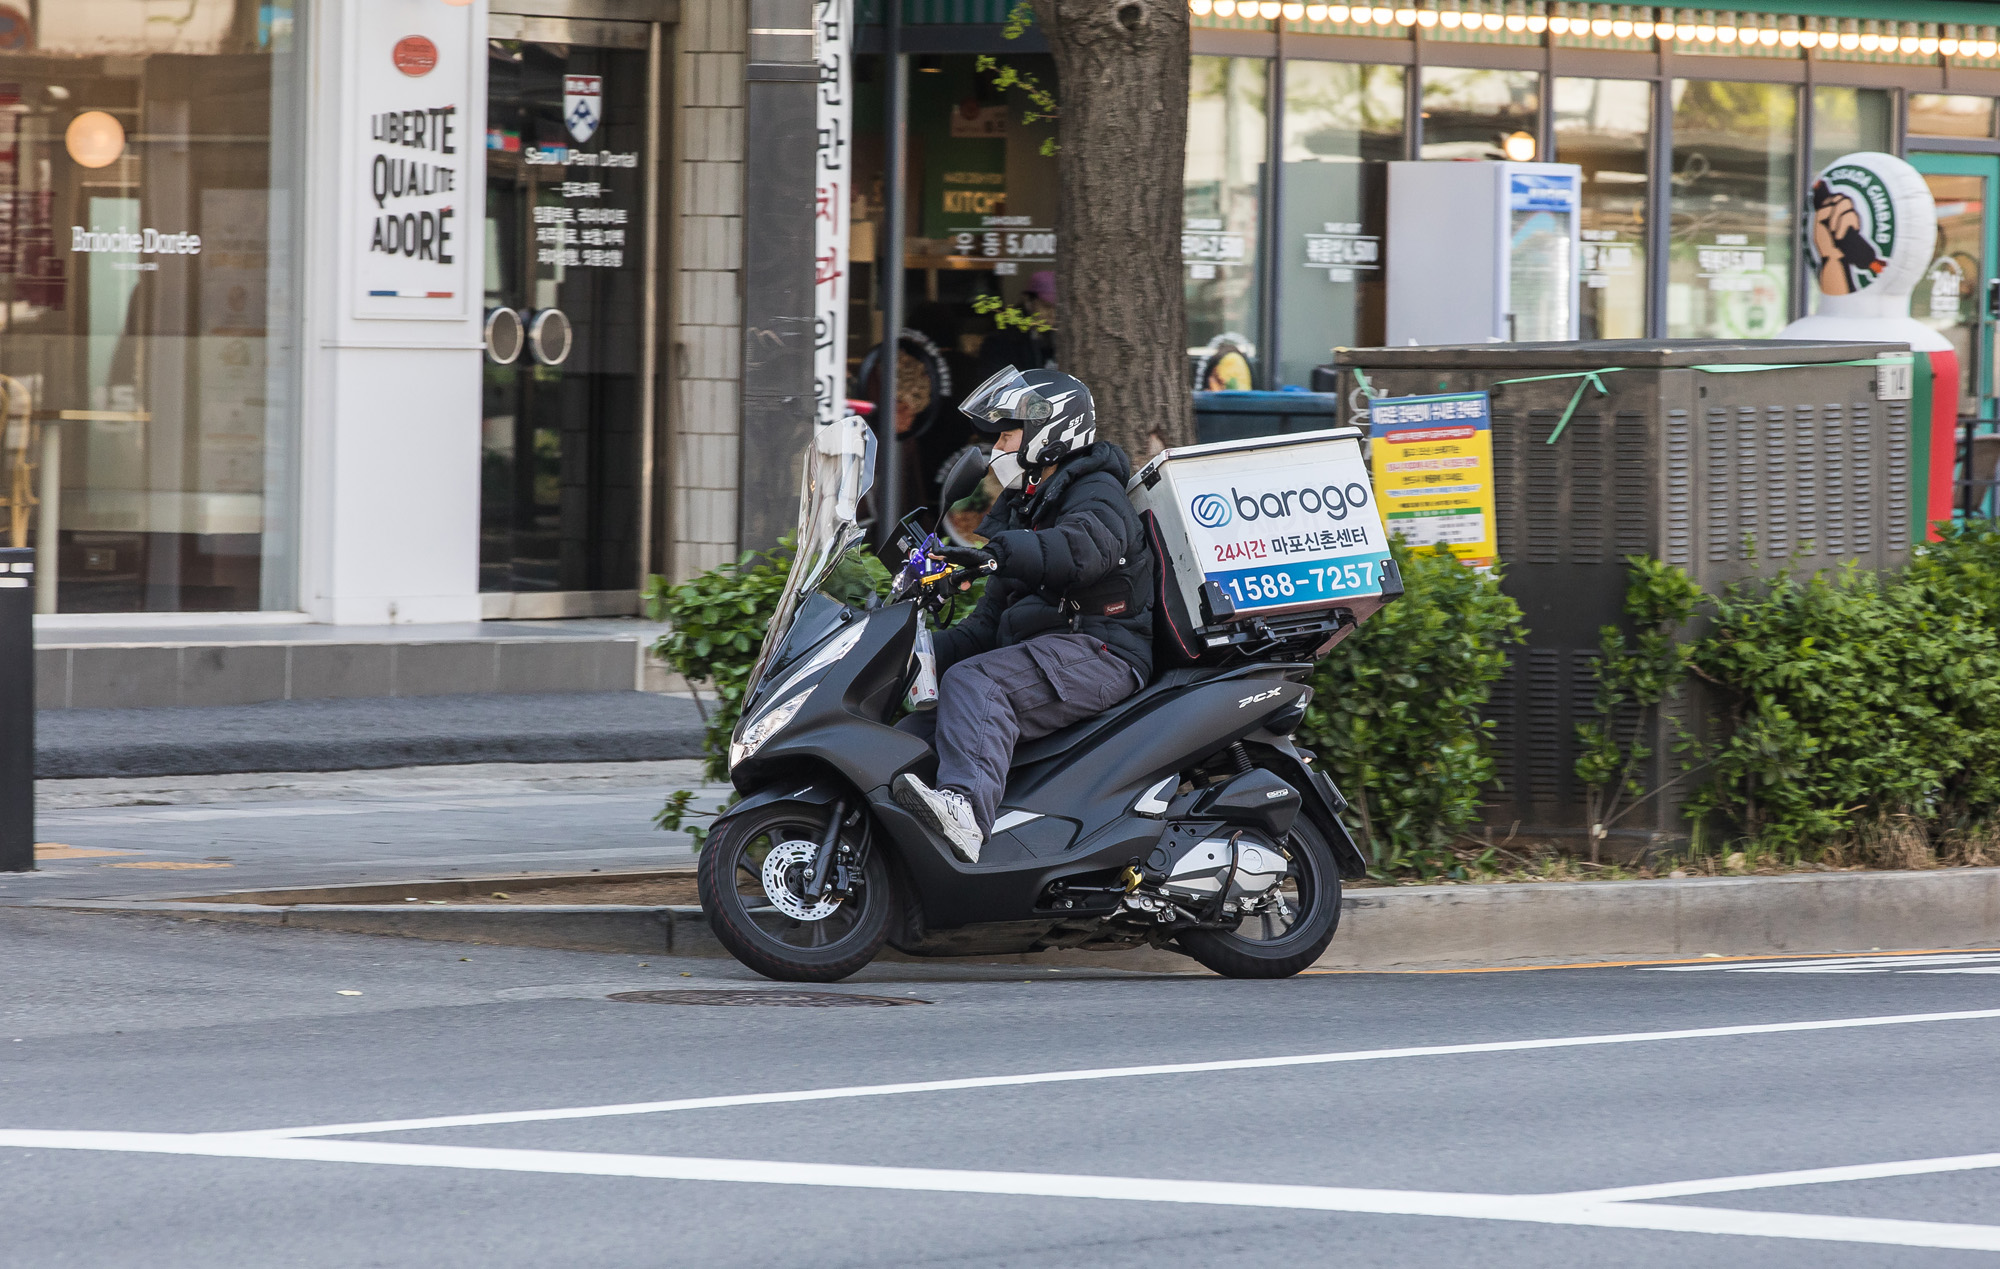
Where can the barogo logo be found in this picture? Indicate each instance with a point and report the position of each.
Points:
(1211, 511)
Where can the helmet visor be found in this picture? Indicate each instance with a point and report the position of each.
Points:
(1005, 402)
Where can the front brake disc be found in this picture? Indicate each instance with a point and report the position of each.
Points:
(785, 870)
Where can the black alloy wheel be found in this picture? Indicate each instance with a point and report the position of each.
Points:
(1267, 945)
(781, 934)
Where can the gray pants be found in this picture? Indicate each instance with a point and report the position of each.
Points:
(989, 703)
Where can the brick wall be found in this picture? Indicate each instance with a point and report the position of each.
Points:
(705, 237)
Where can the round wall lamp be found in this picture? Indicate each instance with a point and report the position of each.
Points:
(94, 139)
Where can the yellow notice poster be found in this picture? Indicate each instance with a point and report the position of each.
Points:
(1433, 460)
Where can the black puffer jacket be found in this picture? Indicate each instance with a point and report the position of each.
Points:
(1073, 556)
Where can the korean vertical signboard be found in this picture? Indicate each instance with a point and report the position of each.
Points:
(832, 193)
(1433, 460)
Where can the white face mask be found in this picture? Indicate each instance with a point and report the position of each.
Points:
(1007, 469)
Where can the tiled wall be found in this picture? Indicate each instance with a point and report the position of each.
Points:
(705, 332)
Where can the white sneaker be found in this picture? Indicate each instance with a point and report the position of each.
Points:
(946, 811)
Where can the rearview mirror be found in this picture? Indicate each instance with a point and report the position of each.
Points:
(962, 477)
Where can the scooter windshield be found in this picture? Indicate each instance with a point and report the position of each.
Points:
(839, 472)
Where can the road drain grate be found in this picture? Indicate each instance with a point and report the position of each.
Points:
(767, 999)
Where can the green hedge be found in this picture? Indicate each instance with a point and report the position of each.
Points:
(1396, 715)
(1858, 708)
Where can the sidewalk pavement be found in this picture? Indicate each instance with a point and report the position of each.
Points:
(165, 837)
(366, 733)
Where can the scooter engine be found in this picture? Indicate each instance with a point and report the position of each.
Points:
(1241, 866)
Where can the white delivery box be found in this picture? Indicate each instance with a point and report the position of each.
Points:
(1270, 537)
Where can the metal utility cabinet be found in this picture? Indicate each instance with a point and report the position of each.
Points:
(1725, 475)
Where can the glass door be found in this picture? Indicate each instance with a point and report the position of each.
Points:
(1956, 298)
(564, 293)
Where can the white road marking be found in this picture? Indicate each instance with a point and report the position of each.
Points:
(1847, 965)
(1107, 1073)
(1533, 1208)
(1803, 1176)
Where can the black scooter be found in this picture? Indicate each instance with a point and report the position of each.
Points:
(1184, 817)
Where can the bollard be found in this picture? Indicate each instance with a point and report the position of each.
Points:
(17, 709)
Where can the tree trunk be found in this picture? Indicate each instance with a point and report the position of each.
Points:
(1122, 81)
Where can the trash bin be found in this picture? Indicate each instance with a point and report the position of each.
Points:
(1728, 459)
(1236, 416)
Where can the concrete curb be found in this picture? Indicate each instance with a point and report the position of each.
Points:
(1380, 928)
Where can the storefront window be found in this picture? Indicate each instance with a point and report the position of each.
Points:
(1604, 125)
(979, 202)
(1733, 209)
(1480, 114)
(1950, 115)
(1846, 120)
(1223, 197)
(146, 300)
(1947, 300)
(1342, 123)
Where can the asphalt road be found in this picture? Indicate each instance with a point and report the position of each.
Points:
(146, 1068)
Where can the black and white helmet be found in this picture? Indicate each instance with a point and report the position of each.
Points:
(1053, 410)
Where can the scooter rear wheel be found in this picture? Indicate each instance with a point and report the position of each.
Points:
(785, 936)
(1264, 945)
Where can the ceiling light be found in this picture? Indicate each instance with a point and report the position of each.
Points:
(1519, 146)
(1559, 24)
(1948, 46)
(1406, 17)
(94, 139)
(1642, 30)
(1849, 41)
(1337, 13)
(1927, 45)
(1987, 48)
(1383, 17)
(1427, 17)
(1621, 30)
(1703, 33)
(1517, 23)
(1200, 8)
(1600, 27)
(1450, 19)
(1225, 8)
(1788, 38)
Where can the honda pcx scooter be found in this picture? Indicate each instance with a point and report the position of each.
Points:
(1184, 817)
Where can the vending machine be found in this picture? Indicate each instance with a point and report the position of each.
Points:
(1483, 252)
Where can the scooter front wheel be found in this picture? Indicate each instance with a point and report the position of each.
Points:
(752, 878)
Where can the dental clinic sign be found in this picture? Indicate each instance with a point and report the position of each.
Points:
(413, 198)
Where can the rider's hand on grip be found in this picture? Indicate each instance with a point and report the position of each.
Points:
(969, 559)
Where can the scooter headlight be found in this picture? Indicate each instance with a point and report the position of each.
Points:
(766, 725)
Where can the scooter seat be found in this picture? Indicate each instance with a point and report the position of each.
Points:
(1066, 738)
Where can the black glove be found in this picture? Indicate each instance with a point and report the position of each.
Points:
(970, 559)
